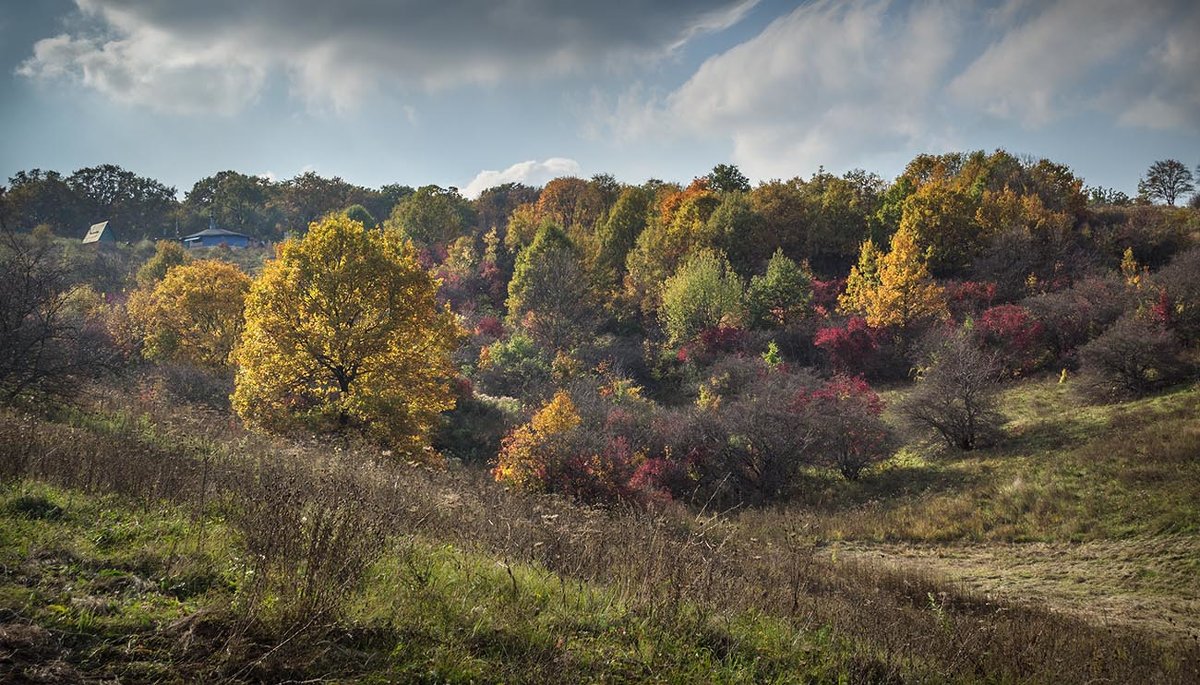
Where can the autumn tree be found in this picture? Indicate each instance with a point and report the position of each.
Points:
(1166, 180)
(549, 293)
(900, 292)
(530, 454)
(343, 331)
(193, 314)
(703, 293)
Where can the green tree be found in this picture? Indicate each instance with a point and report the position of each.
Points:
(139, 207)
(167, 254)
(548, 295)
(703, 293)
(781, 295)
(433, 216)
(233, 201)
(361, 215)
(618, 234)
(727, 178)
(343, 332)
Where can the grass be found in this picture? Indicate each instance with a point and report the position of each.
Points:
(105, 589)
(244, 559)
(1090, 509)
(1066, 472)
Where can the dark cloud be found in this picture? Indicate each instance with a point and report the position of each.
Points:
(215, 55)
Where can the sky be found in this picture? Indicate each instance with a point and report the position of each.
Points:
(473, 93)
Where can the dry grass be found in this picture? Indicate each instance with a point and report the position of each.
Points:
(314, 516)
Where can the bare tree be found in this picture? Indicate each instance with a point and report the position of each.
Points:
(44, 345)
(1166, 180)
(955, 395)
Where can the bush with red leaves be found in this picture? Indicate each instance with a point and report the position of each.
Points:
(1015, 335)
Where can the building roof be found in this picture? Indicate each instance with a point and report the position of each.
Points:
(218, 232)
(96, 233)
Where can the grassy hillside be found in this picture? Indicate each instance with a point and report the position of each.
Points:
(142, 542)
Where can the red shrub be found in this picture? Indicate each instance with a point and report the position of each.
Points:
(1016, 335)
(968, 298)
(850, 348)
(826, 293)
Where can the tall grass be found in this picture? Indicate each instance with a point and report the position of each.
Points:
(313, 520)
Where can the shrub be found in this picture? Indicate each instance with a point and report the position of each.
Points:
(1179, 282)
(1133, 357)
(850, 348)
(955, 394)
(515, 367)
(47, 342)
(1074, 316)
(966, 299)
(846, 431)
(1015, 336)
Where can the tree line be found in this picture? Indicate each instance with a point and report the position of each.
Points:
(638, 342)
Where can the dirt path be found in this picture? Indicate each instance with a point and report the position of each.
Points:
(1153, 584)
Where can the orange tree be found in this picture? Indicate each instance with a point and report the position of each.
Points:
(343, 331)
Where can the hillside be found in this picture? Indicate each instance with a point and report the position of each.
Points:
(147, 543)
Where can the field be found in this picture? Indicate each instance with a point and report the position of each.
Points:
(147, 541)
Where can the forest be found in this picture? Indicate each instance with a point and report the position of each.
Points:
(808, 430)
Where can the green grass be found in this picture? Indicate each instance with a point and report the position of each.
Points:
(99, 588)
(1065, 471)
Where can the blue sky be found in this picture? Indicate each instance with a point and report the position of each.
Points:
(468, 94)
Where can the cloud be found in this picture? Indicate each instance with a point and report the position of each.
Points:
(531, 173)
(827, 81)
(1032, 73)
(216, 55)
(846, 83)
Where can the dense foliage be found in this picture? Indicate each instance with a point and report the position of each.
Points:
(634, 342)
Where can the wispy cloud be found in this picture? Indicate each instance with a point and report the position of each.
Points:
(841, 83)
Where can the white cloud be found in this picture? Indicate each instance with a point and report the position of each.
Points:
(842, 84)
(216, 55)
(1032, 73)
(827, 82)
(530, 172)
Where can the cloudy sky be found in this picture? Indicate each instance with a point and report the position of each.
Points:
(471, 93)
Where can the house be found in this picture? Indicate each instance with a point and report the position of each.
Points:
(100, 233)
(212, 237)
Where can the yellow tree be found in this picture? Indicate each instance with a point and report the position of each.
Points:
(526, 455)
(863, 280)
(343, 332)
(194, 314)
(901, 291)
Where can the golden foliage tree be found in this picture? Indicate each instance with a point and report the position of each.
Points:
(193, 314)
(901, 290)
(527, 451)
(343, 331)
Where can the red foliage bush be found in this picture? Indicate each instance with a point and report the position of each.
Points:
(850, 347)
(826, 293)
(968, 298)
(1015, 335)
